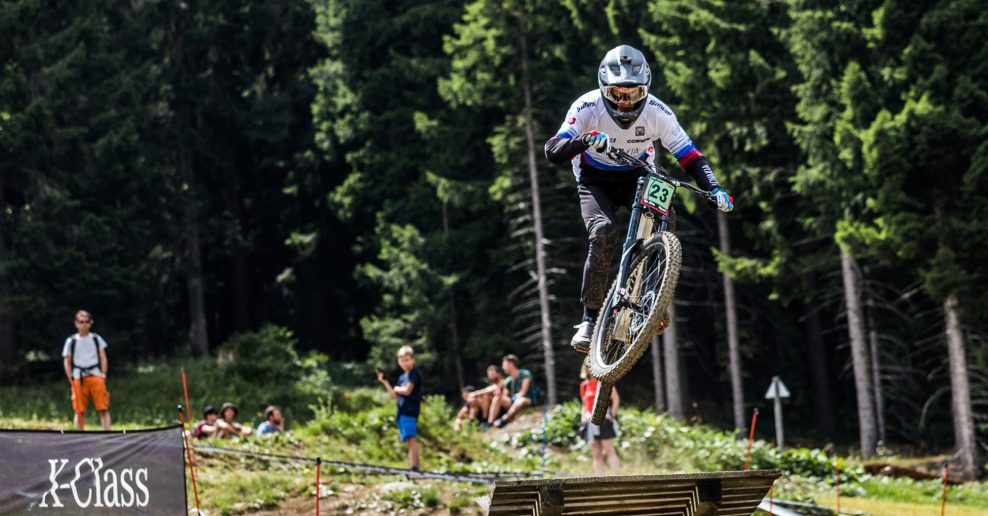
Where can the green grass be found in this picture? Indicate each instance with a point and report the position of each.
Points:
(357, 425)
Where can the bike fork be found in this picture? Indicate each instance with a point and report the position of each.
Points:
(629, 244)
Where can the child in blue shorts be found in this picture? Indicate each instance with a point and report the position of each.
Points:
(408, 392)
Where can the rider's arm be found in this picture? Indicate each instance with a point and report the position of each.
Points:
(562, 148)
(672, 136)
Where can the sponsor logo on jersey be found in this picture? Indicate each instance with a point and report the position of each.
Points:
(650, 150)
(571, 121)
(638, 140)
(585, 105)
(639, 130)
(660, 106)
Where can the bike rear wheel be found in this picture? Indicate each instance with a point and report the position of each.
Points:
(601, 403)
(624, 329)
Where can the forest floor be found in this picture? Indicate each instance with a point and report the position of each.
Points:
(356, 425)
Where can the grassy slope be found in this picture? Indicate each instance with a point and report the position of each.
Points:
(358, 426)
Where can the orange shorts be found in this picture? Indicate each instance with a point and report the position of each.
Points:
(90, 387)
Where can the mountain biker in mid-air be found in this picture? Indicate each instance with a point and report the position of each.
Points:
(619, 113)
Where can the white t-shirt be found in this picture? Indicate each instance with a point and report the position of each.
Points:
(86, 355)
(656, 123)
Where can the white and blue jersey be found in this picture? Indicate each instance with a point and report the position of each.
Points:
(656, 124)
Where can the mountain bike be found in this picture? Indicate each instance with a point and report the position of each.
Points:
(636, 304)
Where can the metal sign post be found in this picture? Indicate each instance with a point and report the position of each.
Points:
(776, 392)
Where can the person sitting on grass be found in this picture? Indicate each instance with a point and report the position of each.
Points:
(210, 426)
(519, 391)
(408, 392)
(273, 423)
(474, 407)
(228, 412)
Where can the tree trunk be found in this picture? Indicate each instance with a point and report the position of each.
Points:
(819, 373)
(185, 169)
(660, 396)
(876, 371)
(454, 331)
(733, 348)
(859, 354)
(7, 349)
(193, 260)
(960, 388)
(547, 353)
(674, 391)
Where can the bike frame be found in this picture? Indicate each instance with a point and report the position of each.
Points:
(637, 210)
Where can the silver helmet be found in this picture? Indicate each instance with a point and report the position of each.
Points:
(624, 76)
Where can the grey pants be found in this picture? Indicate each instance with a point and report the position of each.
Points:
(598, 203)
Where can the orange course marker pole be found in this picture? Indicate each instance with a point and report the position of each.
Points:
(185, 388)
(943, 497)
(751, 437)
(188, 453)
(771, 497)
(318, 494)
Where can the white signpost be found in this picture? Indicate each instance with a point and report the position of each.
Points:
(776, 391)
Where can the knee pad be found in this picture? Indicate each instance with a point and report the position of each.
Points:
(603, 233)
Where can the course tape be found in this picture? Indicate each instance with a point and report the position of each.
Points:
(473, 478)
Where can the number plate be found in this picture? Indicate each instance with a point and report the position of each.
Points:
(658, 194)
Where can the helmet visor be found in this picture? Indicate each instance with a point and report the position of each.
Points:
(625, 94)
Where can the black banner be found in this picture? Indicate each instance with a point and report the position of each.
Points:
(137, 472)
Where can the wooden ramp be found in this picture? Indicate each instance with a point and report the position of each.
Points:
(696, 494)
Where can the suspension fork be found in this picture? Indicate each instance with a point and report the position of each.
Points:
(632, 237)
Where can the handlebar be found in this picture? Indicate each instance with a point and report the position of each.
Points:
(623, 157)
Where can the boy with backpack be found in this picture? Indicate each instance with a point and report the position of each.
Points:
(85, 366)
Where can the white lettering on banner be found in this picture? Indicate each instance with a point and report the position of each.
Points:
(142, 487)
(110, 488)
(110, 479)
(126, 487)
(54, 483)
(96, 478)
(78, 475)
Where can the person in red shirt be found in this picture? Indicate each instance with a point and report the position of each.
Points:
(600, 438)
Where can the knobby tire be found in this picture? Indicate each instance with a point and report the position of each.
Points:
(610, 359)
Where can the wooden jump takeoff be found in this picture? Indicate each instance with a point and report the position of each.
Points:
(696, 494)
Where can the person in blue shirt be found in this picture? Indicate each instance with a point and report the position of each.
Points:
(408, 392)
(273, 423)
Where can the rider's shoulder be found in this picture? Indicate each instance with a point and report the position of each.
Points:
(658, 107)
(589, 99)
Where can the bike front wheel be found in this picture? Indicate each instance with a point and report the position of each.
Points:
(631, 315)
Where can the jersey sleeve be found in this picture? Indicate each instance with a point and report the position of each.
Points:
(65, 348)
(575, 124)
(674, 139)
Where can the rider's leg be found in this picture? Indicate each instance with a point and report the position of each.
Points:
(598, 203)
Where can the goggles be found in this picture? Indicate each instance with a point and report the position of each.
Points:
(632, 94)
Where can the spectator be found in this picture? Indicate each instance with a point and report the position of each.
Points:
(228, 412)
(519, 391)
(494, 391)
(210, 426)
(85, 366)
(475, 407)
(408, 392)
(600, 438)
(273, 424)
